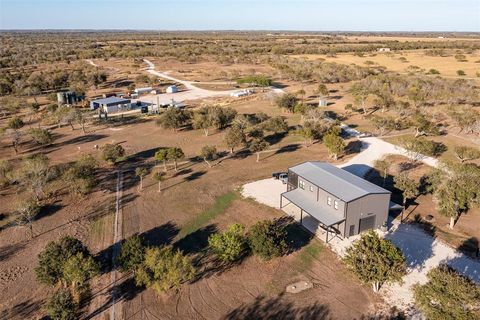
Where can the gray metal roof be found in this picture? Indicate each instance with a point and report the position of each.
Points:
(336, 181)
(313, 208)
(111, 100)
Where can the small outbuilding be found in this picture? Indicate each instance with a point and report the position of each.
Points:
(172, 89)
(143, 90)
(322, 103)
(111, 104)
(241, 93)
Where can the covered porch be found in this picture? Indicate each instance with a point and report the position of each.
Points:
(310, 214)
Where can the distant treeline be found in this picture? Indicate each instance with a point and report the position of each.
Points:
(27, 48)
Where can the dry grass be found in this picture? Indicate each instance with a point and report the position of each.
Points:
(447, 66)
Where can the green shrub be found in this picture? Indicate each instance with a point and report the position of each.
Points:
(112, 152)
(164, 268)
(61, 306)
(267, 239)
(131, 254)
(375, 260)
(230, 245)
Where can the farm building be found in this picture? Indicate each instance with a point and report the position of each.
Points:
(172, 89)
(111, 104)
(330, 201)
(143, 90)
(322, 103)
(384, 50)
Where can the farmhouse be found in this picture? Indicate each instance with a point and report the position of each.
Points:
(330, 201)
(111, 104)
(384, 50)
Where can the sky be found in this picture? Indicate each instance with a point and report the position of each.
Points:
(305, 15)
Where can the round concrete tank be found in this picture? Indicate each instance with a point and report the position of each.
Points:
(61, 97)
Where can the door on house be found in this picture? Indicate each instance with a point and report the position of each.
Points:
(367, 223)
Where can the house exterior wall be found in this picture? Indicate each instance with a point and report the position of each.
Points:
(334, 205)
(372, 204)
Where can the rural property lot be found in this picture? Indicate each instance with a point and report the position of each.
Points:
(163, 217)
(204, 196)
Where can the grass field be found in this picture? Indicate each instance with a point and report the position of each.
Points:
(222, 203)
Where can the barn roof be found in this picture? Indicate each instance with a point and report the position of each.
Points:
(336, 181)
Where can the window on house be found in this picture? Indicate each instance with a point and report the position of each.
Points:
(335, 204)
(301, 184)
(311, 188)
(329, 201)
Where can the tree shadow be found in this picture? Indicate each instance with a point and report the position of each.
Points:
(353, 147)
(143, 155)
(23, 310)
(415, 244)
(288, 148)
(470, 247)
(11, 249)
(196, 241)
(242, 154)
(360, 170)
(48, 210)
(297, 236)
(124, 290)
(80, 139)
(277, 308)
(275, 137)
(195, 175)
(465, 266)
(161, 235)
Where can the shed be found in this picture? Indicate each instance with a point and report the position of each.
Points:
(143, 90)
(172, 89)
(322, 103)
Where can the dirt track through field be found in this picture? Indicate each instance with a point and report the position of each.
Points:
(117, 238)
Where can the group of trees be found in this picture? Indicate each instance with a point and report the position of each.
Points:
(266, 239)
(67, 265)
(325, 72)
(77, 76)
(213, 117)
(34, 174)
(160, 268)
(169, 154)
(417, 148)
(256, 80)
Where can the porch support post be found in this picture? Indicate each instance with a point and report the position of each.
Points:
(327, 235)
(281, 197)
(301, 215)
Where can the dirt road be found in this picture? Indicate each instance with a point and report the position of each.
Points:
(192, 92)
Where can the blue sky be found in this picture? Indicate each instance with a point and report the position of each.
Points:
(316, 15)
